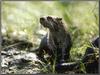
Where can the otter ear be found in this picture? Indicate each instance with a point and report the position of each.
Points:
(59, 19)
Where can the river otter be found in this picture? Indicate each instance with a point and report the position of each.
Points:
(57, 43)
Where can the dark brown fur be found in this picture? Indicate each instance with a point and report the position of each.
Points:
(57, 43)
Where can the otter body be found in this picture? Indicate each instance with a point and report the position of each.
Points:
(57, 43)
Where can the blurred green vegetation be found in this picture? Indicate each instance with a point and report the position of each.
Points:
(81, 17)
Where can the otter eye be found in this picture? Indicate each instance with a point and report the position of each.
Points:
(49, 17)
(59, 19)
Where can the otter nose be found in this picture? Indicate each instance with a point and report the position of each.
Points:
(42, 19)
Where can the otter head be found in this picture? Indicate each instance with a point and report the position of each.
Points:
(51, 23)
